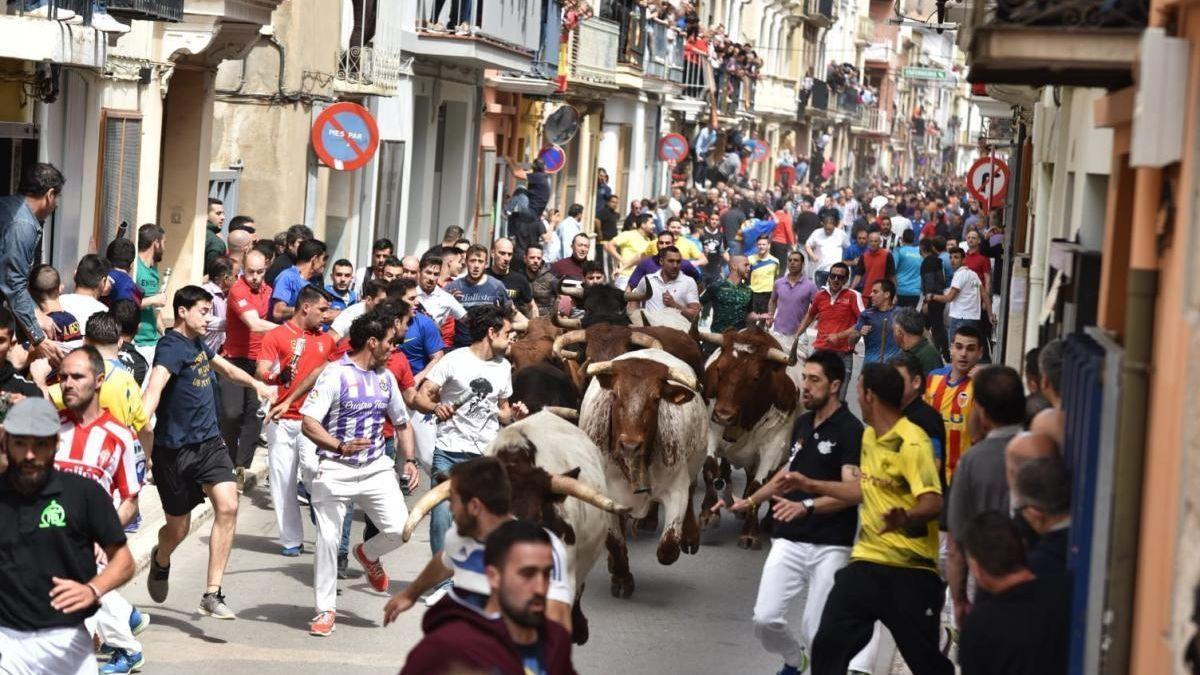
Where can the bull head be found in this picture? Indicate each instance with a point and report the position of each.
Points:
(569, 339)
(741, 381)
(640, 294)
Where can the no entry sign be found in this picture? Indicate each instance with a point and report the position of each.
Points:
(987, 181)
(672, 148)
(345, 136)
(553, 157)
(760, 151)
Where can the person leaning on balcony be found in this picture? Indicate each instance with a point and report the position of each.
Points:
(21, 219)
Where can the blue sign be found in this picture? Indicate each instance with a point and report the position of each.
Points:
(553, 157)
(345, 136)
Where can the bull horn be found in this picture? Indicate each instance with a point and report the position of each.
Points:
(561, 342)
(779, 356)
(564, 322)
(793, 357)
(600, 368)
(569, 414)
(641, 294)
(571, 291)
(644, 341)
(520, 326)
(686, 379)
(713, 338)
(568, 355)
(436, 495)
(563, 485)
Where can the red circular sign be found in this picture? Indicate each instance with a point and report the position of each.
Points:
(987, 181)
(760, 151)
(345, 136)
(553, 157)
(672, 148)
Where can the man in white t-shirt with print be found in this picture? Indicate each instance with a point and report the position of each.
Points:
(670, 289)
(480, 501)
(965, 299)
(467, 391)
(825, 247)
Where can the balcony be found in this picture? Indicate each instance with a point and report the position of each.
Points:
(147, 10)
(819, 97)
(820, 13)
(864, 30)
(49, 37)
(871, 121)
(1083, 43)
(474, 33)
(367, 70)
(592, 54)
(774, 96)
(879, 55)
(663, 55)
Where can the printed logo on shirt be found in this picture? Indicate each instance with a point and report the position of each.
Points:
(242, 303)
(825, 447)
(54, 515)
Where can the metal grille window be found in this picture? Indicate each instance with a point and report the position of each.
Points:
(122, 153)
(223, 185)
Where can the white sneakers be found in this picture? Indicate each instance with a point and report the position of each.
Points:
(105, 23)
(101, 21)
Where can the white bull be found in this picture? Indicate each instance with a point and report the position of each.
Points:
(644, 411)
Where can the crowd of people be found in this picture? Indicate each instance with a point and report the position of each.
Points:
(367, 381)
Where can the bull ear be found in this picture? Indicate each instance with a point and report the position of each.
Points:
(677, 393)
(606, 379)
(573, 473)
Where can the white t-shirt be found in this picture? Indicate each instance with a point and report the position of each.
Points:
(966, 305)
(341, 325)
(464, 555)
(476, 386)
(683, 289)
(900, 225)
(82, 307)
(830, 247)
(440, 304)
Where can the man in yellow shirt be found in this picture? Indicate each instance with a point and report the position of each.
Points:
(689, 250)
(892, 575)
(628, 247)
(764, 269)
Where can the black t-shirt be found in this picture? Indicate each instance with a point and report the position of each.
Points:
(933, 275)
(731, 222)
(930, 421)
(187, 413)
(281, 262)
(12, 383)
(1022, 631)
(608, 222)
(820, 454)
(713, 245)
(519, 289)
(132, 359)
(805, 224)
(537, 184)
(51, 534)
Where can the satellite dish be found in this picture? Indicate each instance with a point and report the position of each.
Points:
(562, 125)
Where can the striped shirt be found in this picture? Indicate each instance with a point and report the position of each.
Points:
(953, 400)
(102, 451)
(352, 403)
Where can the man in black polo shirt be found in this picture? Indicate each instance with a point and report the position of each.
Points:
(920, 413)
(812, 534)
(51, 523)
(519, 289)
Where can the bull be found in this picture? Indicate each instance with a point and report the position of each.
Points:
(557, 477)
(644, 412)
(753, 395)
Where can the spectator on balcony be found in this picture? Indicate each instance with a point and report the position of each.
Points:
(460, 16)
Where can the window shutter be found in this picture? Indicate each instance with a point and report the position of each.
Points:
(119, 180)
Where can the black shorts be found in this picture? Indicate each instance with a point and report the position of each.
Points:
(760, 302)
(181, 473)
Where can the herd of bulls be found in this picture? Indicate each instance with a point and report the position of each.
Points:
(648, 426)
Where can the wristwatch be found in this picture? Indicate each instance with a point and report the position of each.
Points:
(810, 505)
(410, 460)
(340, 446)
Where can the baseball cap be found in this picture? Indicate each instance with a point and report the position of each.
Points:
(32, 417)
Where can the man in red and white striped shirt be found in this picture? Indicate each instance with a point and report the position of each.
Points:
(93, 444)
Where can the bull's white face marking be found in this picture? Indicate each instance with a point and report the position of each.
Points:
(739, 349)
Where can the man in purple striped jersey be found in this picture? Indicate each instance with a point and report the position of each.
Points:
(344, 416)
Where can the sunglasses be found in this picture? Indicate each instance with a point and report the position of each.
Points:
(837, 277)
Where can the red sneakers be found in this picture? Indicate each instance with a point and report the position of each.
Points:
(374, 569)
(322, 624)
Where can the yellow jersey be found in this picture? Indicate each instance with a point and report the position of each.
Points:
(763, 272)
(631, 245)
(953, 400)
(120, 395)
(897, 467)
(688, 250)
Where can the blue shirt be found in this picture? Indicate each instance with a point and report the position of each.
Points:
(123, 288)
(946, 267)
(879, 345)
(908, 270)
(422, 341)
(489, 291)
(287, 288)
(340, 302)
(20, 234)
(187, 411)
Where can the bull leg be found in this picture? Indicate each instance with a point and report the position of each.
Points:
(649, 523)
(691, 530)
(579, 623)
(675, 504)
(727, 476)
(708, 519)
(618, 560)
(750, 537)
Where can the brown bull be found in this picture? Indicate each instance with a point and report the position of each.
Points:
(605, 342)
(535, 345)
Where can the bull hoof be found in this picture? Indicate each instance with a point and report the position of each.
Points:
(579, 629)
(709, 520)
(749, 542)
(668, 548)
(690, 547)
(622, 587)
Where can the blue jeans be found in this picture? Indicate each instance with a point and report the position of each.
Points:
(440, 518)
(955, 323)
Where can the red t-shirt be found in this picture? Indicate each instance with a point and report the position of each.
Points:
(783, 233)
(834, 315)
(398, 364)
(298, 353)
(876, 266)
(240, 341)
(980, 264)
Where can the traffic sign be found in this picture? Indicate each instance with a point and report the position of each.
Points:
(345, 136)
(553, 157)
(672, 148)
(760, 151)
(915, 73)
(987, 181)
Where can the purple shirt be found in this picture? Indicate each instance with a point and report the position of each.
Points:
(791, 303)
(649, 265)
(352, 403)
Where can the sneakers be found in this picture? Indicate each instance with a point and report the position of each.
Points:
(292, 551)
(796, 670)
(213, 604)
(434, 597)
(322, 624)
(138, 621)
(158, 582)
(124, 662)
(134, 524)
(105, 23)
(375, 574)
(343, 568)
(464, 28)
(239, 477)
(43, 12)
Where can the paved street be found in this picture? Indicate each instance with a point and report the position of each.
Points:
(692, 617)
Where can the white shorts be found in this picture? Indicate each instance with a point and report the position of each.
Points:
(62, 651)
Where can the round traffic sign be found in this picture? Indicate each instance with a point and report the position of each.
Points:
(345, 136)
(760, 151)
(987, 181)
(672, 148)
(553, 157)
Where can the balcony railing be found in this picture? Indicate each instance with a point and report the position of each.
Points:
(545, 62)
(818, 97)
(147, 10)
(630, 18)
(821, 13)
(367, 70)
(864, 32)
(663, 52)
(54, 10)
(517, 23)
(593, 53)
(872, 120)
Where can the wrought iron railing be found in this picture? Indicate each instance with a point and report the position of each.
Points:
(368, 70)
(147, 10)
(1073, 13)
(593, 52)
(53, 10)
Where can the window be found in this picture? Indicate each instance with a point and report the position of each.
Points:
(121, 153)
(391, 182)
(223, 185)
